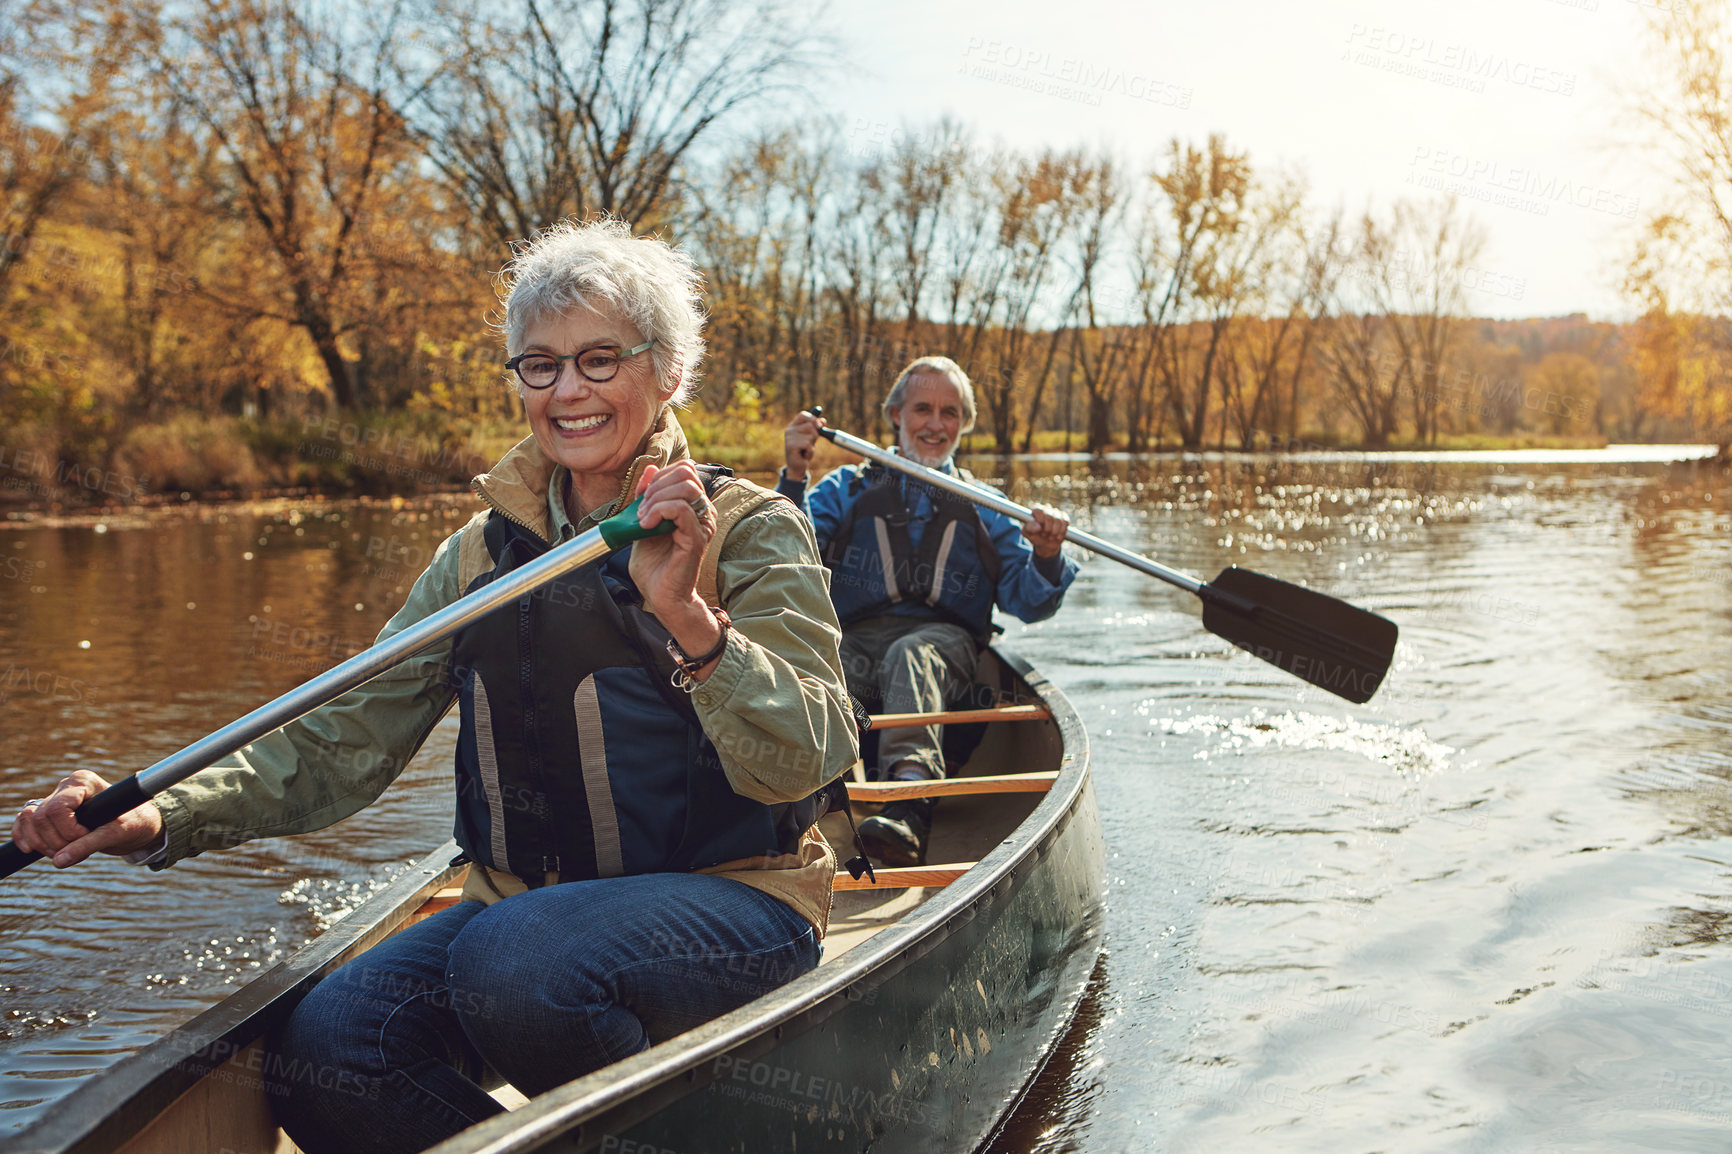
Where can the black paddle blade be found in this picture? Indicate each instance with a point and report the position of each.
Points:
(1315, 637)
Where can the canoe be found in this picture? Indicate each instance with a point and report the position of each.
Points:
(941, 992)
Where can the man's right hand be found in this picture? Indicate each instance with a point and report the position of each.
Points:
(798, 442)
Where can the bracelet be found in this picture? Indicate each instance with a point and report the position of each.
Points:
(686, 675)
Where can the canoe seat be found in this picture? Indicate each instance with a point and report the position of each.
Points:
(904, 877)
(950, 786)
(962, 716)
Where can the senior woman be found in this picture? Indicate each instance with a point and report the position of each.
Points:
(643, 839)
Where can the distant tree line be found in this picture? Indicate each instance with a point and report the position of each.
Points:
(268, 209)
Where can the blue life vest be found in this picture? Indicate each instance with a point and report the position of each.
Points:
(576, 756)
(875, 568)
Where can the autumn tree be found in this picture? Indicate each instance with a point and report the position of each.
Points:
(807, 171)
(1274, 319)
(1680, 273)
(1098, 358)
(1416, 271)
(1207, 264)
(973, 266)
(925, 169)
(1566, 390)
(58, 62)
(860, 271)
(1358, 350)
(757, 231)
(545, 109)
(1036, 210)
(156, 180)
(38, 164)
(310, 144)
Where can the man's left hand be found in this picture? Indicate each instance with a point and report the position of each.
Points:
(1046, 532)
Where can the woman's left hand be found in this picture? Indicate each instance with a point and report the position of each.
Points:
(665, 568)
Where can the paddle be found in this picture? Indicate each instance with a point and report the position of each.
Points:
(122, 797)
(1315, 637)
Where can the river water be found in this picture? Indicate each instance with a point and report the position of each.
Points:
(1489, 910)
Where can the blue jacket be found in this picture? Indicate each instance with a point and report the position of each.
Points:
(1025, 586)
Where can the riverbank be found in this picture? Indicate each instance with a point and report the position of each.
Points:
(338, 455)
(403, 454)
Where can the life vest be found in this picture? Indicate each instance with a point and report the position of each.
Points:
(576, 757)
(875, 568)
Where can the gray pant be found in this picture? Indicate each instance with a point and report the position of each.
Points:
(909, 666)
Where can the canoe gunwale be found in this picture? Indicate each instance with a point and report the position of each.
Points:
(104, 1113)
(584, 1110)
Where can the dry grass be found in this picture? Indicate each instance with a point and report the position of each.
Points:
(192, 454)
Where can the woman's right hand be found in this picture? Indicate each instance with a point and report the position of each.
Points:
(49, 827)
(798, 441)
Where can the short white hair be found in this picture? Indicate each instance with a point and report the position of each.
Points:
(942, 366)
(573, 264)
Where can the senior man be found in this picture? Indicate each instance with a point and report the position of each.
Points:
(914, 575)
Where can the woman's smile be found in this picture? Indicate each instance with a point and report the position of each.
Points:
(581, 424)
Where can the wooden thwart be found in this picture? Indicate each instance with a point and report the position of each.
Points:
(904, 877)
(961, 716)
(950, 786)
(439, 902)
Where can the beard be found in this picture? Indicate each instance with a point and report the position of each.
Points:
(913, 450)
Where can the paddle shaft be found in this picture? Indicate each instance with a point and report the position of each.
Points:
(1002, 504)
(127, 795)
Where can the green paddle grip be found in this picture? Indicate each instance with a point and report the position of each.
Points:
(622, 528)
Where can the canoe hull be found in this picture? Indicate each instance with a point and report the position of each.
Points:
(933, 1056)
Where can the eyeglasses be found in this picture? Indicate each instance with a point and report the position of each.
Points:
(540, 370)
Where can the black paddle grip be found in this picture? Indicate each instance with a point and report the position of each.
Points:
(13, 859)
(119, 798)
(826, 432)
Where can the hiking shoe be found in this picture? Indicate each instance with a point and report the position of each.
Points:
(897, 835)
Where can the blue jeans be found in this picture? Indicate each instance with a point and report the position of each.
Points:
(391, 1051)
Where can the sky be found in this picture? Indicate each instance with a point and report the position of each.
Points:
(1518, 107)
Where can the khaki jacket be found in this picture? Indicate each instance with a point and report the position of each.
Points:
(773, 706)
